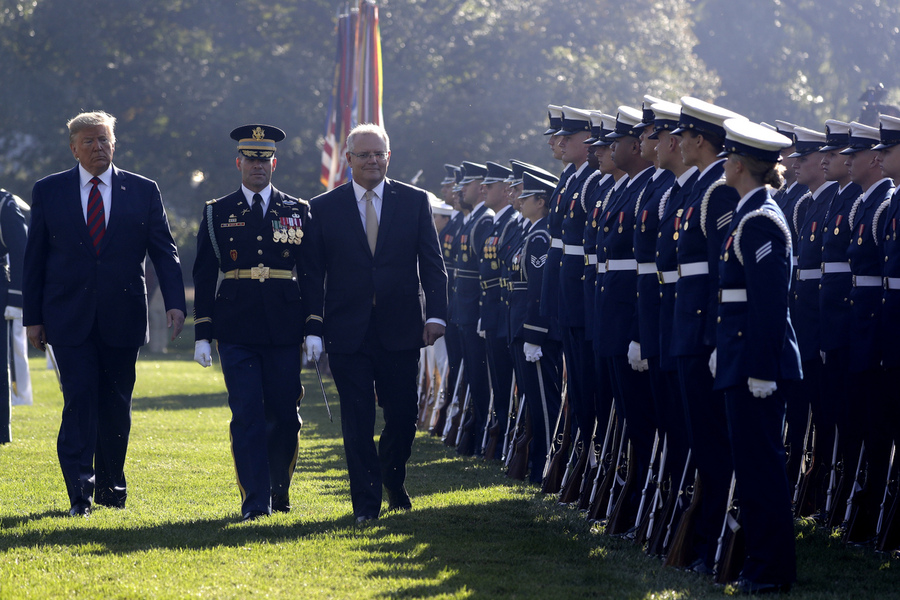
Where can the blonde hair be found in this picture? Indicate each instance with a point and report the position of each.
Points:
(84, 120)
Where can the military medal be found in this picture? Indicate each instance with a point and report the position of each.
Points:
(837, 224)
(894, 227)
(862, 227)
(494, 265)
(621, 218)
(677, 225)
(688, 218)
(643, 221)
(233, 255)
(727, 246)
(812, 236)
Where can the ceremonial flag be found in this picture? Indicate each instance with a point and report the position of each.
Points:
(356, 89)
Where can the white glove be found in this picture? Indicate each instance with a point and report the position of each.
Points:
(634, 357)
(761, 388)
(822, 354)
(12, 312)
(712, 363)
(532, 352)
(202, 353)
(479, 329)
(313, 344)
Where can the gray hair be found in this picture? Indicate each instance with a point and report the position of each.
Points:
(368, 128)
(91, 119)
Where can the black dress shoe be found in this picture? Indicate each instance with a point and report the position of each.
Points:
(363, 520)
(80, 510)
(253, 515)
(700, 567)
(745, 586)
(109, 502)
(399, 499)
(281, 504)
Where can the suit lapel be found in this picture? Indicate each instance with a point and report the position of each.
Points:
(351, 209)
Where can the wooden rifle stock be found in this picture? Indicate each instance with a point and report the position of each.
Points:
(518, 462)
(885, 498)
(832, 478)
(558, 452)
(803, 501)
(621, 517)
(648, 480)
(854, 499)
(889, 533)
(680, 552)
(729, 558)
(511, 418)
(465, 435)
(571, 488)
(646, 522)
(453, 416)
(596, 511)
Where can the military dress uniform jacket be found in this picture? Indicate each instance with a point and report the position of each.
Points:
(13, 235)
(490, 271)
(529, 266)
(671, 212)
(866, 264)
(617, 296)
(836, 281)
(595, 190)
(890, 313)
(708, 213)
(509, 247)
(467, 293)
(805, 295)
(646, 233)
(550, 292)
(263, 310)
(571, 266)
(755, 337)
(449, 238)
(604, 217)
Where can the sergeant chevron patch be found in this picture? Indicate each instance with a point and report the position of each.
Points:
(763, 251)
(538, 261)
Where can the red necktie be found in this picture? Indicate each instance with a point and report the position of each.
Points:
(96, 219)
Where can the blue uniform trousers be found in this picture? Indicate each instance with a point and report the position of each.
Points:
(476, 374)
(581, 384)
(500, 363)
(542, 408)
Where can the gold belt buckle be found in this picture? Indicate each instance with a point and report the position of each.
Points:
(261, 273)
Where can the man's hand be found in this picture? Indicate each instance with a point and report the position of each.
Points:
(433, 332)
(202, 353)
(175, 320)
(313, 345)
(761, 388)
(634, 357)
(12, 312)
(532, 352)
(37, 337)
(479, 330)
(712, 363)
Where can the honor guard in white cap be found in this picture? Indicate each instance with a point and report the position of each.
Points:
(757, 352)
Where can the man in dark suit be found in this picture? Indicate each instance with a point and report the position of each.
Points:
(91, 229)
(254, 236)
(374, 241)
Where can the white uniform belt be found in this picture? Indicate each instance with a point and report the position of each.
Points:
(621, 264)
(739, 295)
(260, 273)
(667, 277)
(694, 268)
(556, 243)
(646, 268)
(590, 259)
(573, 249)
(892, 283)
(467, 274)
(867, 281)
(518, 286)
(601, 268)
(806, 274)
(794, 260)
(835, 267)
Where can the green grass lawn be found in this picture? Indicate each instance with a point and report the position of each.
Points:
(472, 532)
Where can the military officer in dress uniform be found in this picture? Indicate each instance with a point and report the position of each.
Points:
(254, 236)
(866, 264)
(806, 394)
(466, 310)
(13, 235)
(536, 339)
(756, 350)
(791, 191)
(708, 211)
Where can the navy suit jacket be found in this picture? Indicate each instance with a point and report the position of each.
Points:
(68, 286)
(405, 277)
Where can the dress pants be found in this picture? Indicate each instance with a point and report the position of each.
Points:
(542, 402)
(97, 382)
(500, 362)
(476, 374)
(264, 388)
(369, 375)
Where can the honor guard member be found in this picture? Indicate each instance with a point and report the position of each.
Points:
(644, 351)
(890, 312)
(13, 235)
(866, 264)
(467, 296)
(708, 211)
(493, 312)
(449, 238)
(550, 294)
(756, 351)
(567, 220)
(834, 302)
(536, 339)
(616, 304)
(254, 236)
(788, 194)
(806, 394)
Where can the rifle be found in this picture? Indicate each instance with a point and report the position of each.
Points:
(658, 531)
(853, 501)
(620, 517)
(730, 548)
(518, 463)
(438, 398)
(596, 511)
(645, 526)
(571, 483)
(889, 536)
(487, 425)
(832, 479)
(647, 481)
(592, 474)
(801, 499)
(424, 387)
(451, 422)
(601, 459)
(680, 553)
(510, 415)
(887, 492)
(510, 450)
(558, 450)
(604, 501)
(465, 434)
